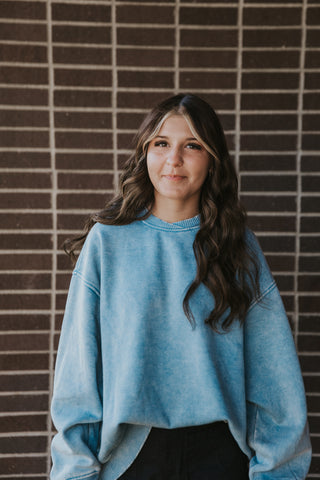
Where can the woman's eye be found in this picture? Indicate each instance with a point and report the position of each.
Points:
(160, 144)
(194, 146)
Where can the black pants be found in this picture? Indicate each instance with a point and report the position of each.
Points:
(204, 452)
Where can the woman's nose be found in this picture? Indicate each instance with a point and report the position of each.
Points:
(174, 157)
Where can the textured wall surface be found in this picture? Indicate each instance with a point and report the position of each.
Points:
(76, 78)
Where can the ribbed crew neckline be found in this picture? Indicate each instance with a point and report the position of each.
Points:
(187, 224)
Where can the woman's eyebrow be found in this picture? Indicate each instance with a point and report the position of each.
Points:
(164, 136)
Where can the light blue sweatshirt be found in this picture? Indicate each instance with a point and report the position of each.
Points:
(129, 359)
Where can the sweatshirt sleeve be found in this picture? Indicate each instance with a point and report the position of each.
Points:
(76, 405)
(276, 408)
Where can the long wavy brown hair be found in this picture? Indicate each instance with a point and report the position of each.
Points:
(225, 264)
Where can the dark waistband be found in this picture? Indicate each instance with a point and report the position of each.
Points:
(195, 428)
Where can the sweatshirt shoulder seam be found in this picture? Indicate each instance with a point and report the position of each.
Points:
(263, 294)
(88, 284)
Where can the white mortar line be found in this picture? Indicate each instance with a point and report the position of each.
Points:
(54, 225)
(176, 47)
(299, 180)
(114, 92)
(238, 92)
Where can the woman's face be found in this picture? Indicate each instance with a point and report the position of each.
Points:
(178, 165)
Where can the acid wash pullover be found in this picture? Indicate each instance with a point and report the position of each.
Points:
(129, 359)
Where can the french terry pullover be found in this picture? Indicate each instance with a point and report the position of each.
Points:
(130, 360)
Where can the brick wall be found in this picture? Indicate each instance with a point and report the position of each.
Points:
(76, 78)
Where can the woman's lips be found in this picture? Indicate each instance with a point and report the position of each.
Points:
(174, 178)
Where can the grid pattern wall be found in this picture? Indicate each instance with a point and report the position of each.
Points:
(76, 78)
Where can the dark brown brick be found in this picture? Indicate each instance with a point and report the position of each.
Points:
(62, 281)
(270, 101)
(266, 183)
(313, 39)
(277, 243)
(140, 57)
(25, 200)
(308, 343)
(93, 201)
(310, 244)
(29, 342)
(24, 321)
(312, 80)
(25, 10)
(268, 142)
(270, 81)
(191, 80)
(209, 38)
(145, 14)
(310, 224)
(309, 163)
(89, 140)
(25, 261)
(83, 78)
(26, 301)
(125, 141)
(76, 12)
(24, 138)
(25, 180)
(309, 283)
(83, 120)
(308, 364)
(281, 263)
(24, 75)
(269, 203)
(82, 161)
(208, 59)
(23, 32)
(24, 159)
(285, 283)
(140, 99)
(27, 118)
(85, 181)
(77, 34)
(129, 120)
(271, 38)
(314, 424)
(70, 221)
(23, 53)
(267, 162)
(23, 361)
(267, 122)
(146, 79)
(29, 444)
(25, 241)
(145, 36)
(25, 281)
(311, 101)
(311, 184)
(23, 96)
(208, 16)
(271, 59)
(310, 204)
(24, 382)
(309, 324)
(82, 55)
(312, 59)
(312, 382)
(22, 465)
(272, 223)
(310, 141)
(311, 121)
(82, 98)
(272, 16)
(313, 16)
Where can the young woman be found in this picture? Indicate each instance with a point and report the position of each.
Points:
(176, 360)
